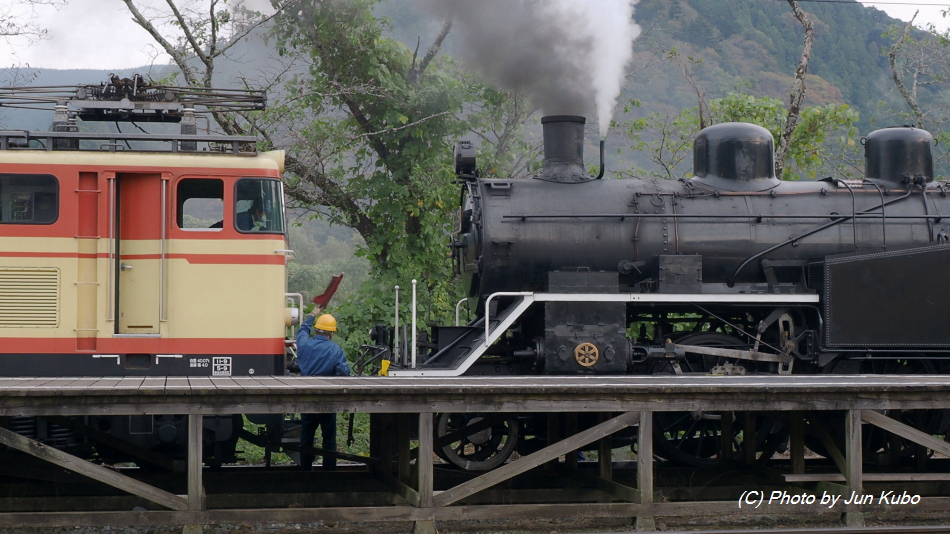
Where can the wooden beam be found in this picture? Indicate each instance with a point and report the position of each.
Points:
(817, 428)
(869, 477)
(531, 461)
(95, 472)
(645, 458)
(853, 517)
(424, 460)
(853, 448)
(139, 453)
(195, 447)
(905, 431)
(645, 521)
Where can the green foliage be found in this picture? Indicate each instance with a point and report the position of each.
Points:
(251, 454)
(497, 119)
(823, 136)
(823, 141)
(315, 264)
(760, 43)
(372, 131)
(666, 140)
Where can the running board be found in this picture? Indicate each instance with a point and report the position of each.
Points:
(527, 298)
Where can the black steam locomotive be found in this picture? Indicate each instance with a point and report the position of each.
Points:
(729, 272)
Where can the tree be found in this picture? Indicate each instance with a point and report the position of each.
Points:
(797, 95)
(18, 20)
(822, 142)
(920, 70)
(804, 136)
(196, 33)
(497, 118)
(367, 128)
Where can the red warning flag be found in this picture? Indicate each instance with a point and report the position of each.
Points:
(322, 300)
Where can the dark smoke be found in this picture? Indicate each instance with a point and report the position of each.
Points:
(569, 55)
(530, 46)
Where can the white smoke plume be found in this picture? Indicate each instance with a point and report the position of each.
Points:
(570, 55)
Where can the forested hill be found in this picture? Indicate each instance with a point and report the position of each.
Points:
(750, 46)
(754, 46)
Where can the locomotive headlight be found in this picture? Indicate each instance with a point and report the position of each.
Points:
(291, 316)
(464, 158)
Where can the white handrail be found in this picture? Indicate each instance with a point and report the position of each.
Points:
(525, 294)
(396, 353)
(162, 289)
(413, 323)
(112, 277)
(457, 306)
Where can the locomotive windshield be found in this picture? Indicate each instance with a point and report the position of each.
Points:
(259, 206)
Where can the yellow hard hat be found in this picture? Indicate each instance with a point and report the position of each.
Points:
(326, 322)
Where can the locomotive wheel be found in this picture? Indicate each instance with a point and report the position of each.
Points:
(481, 441)
(695, 438)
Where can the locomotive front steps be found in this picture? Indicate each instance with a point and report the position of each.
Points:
(468, 344)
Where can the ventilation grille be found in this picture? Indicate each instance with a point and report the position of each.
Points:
(29, 297)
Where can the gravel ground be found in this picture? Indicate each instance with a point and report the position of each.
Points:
(535, 526)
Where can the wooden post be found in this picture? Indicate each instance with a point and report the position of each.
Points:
(425, 470)
(195, 486)
(645, 523)
(853, 475)
(796, 438)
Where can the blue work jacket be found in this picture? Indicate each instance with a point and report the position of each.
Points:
(317, 355)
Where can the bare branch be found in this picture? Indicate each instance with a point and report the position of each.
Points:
(177, 55)
(910, 95)
(416, 73)
(403, 127)
(797, 95)
(20, 24)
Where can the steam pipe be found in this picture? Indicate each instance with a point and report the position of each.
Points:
(601, 174)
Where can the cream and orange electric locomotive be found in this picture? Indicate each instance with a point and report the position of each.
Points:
(140, 254)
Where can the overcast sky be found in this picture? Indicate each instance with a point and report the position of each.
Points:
(99, 34)
(930, 10)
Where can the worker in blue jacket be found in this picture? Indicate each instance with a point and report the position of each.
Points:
(318, 356)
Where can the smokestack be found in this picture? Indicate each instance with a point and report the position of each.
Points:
(563, 149)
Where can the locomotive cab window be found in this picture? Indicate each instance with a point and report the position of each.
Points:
(259, 206)
(200, 204)
(29, 199)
